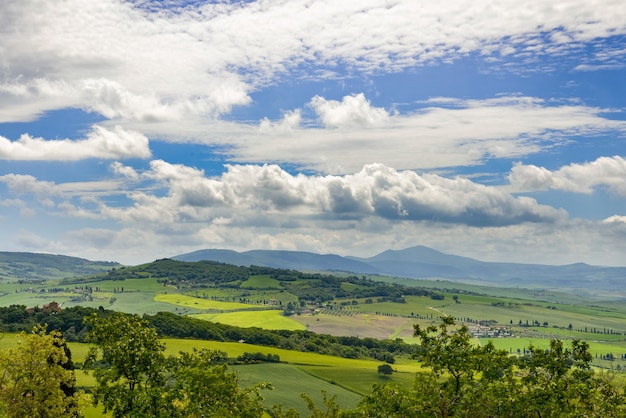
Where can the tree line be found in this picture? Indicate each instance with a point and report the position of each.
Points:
(16, 318)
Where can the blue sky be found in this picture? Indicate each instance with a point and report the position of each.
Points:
(136, 130)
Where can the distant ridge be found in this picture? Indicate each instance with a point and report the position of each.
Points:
(295, 260)
(38, 266)
(422, 262)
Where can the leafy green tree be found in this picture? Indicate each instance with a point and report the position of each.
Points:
(457, 379)
(385, 369)
(463, 379)
(38, 378)
(447, 352)
(203, 386)
(389, 400)
(462, 375)
(68, 387)
(559, 381)
(128, 363)
(331, 410)
(135, 379)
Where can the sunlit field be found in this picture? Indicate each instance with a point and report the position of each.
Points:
(266, 319)
(200, 303)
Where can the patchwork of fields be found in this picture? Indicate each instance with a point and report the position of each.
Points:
(602, 323)
(531, 317)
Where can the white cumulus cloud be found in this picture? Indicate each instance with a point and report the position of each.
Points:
(352, 111)
(615, 219)
(101, 143)
(604, 172)
(289, 122)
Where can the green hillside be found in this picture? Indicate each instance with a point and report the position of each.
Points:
(41, 267)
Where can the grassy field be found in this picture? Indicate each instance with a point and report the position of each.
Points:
(603, 322)
(200, 303)
(360, 325)
(267, 319)
(261, 282)
(295, 357)
(148, 284)
(358, 380)
(414, 306)
(561, 315)
(290, 381)
(30, 299)
(349, 379)
(173, 346)
(598, 349)
(589, 318)
(256, 296)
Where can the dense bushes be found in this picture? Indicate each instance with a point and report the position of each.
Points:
(254, 358)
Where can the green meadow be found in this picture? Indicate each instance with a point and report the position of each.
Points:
(290, 381)
(266, 319)
(299, 372)
(263, 281)
(251, 295)
(295, 357)
(200, 303)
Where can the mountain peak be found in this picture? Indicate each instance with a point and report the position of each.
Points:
(421, 253)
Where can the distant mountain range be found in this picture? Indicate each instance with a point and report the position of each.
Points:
(422, 262)
(414, 263)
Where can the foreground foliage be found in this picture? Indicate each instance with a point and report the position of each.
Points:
(37, 377)
(135, 379)
(465, 380)
(128, 363)
(459, 379)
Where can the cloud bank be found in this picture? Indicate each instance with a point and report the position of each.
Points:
(258, 194)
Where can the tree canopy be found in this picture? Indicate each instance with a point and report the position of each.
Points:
(135, 379)
(37, 377)
(463, 379)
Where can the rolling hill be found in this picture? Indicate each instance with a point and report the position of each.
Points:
(37, 267)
